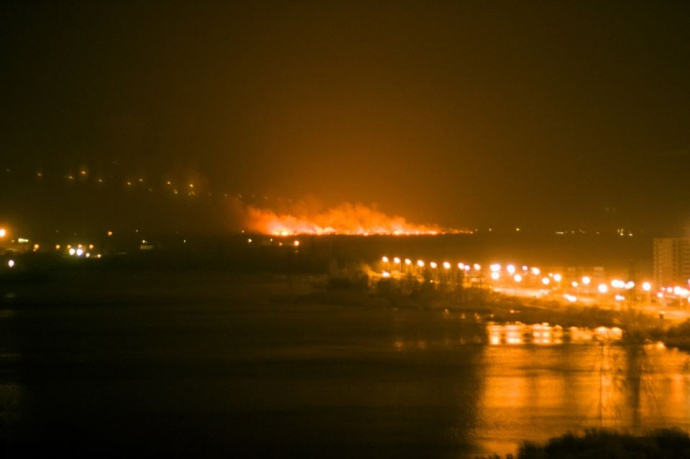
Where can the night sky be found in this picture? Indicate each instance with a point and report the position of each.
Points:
(572, 114)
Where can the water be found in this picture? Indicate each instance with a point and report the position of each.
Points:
(205, 364)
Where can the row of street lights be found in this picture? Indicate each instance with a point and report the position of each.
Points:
(513, 276)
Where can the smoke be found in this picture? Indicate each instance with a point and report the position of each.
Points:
(346, 218)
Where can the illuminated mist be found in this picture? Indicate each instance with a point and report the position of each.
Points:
(346, 219)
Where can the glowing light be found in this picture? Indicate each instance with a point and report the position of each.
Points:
(603, 288)
(384, 259)
(420, 263)
(616, 283)
(574, 284)
(646, 286)
(3, 232)
(570, 298)
(630, 285)
(446, 265)
(10, 263)
(408, 262)
(586, 280)
(545, 280)
(536, 271)
(477, 267)
(80, 252)
(396, 260)
(72, 251)
(620, 297)
(517, 278)
(348, 219)
(557, 277)
(296, 243)
(495, 275)
(386, 274)
(461, 266)
(495, 267)
(510, 269)
(433, 265)
(680, 291)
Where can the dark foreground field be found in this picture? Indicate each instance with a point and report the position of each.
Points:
(186, 364)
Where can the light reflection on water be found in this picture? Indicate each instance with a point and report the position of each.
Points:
(237, 373)
(535, 392)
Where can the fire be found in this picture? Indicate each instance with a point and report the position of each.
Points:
(347, 219)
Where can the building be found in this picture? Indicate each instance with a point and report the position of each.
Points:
(671, 262)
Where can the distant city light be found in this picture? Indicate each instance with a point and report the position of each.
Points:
(10, 263)
(646, 286)
(603, 288)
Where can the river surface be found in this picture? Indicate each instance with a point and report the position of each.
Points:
(205, 364)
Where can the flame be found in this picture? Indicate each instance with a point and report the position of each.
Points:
(346, 219)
